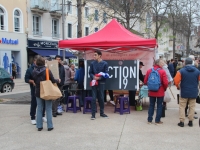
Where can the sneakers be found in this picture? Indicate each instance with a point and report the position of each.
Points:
(190, 124)
(112, 102)
(60, 109)
(149, 122)
(195, 117)
(181, 124)
(44, 119)
(103, 115)
(159, 123)
(33, 122)
(93, 117)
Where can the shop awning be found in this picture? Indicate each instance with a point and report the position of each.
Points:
(49, 52)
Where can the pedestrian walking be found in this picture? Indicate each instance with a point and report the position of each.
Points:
(187, 80)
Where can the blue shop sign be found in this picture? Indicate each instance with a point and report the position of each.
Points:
(9, 41)
(42, 44)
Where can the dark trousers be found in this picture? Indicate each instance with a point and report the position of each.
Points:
(34, 105)
(55, 104)
(110, 94)
(132, 98)
(100, 90)
(151, 108)
(66, 91)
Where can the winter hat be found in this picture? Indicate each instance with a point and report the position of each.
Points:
(188, 61)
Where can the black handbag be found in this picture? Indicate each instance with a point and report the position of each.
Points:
(198, 99)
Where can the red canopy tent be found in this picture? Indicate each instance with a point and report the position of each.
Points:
(113, 37)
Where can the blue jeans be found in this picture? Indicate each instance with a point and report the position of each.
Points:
(100, 89)
(34, 105)
(151, 108)
(48, 104)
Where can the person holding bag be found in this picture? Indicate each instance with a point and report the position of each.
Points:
(39, 74)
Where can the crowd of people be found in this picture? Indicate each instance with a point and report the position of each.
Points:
(185, 74)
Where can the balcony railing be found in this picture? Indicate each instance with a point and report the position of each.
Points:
(42, 5)
(55, 35)
(37, 33)
(55, 7)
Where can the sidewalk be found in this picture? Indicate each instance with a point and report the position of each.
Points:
(78, 132)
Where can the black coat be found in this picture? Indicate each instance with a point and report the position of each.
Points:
(61, 75)
(39, 74)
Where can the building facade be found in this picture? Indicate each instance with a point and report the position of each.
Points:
(13, 22)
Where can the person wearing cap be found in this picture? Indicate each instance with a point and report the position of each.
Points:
(132, 93)
(187, 80)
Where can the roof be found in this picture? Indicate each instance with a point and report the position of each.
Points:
(112, 37)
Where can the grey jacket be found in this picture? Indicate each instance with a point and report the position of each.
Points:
(69, 74)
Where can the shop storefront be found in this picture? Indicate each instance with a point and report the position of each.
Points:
(13, 53)
(44, 48)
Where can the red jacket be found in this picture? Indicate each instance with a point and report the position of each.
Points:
(163, 80)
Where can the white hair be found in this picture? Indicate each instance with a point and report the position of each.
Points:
(192, 56)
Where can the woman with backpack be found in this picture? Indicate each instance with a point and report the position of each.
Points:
(157, 82)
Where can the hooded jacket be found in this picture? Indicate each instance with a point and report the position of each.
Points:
(39, 74)
(163, 80)
(188, 78)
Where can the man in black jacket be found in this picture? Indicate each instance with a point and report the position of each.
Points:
(29, 79)
(62, 78)
(132, 93)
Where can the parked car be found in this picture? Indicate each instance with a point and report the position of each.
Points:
(6, 81)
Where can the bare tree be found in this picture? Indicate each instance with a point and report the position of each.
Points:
(159, 10)
(175, 20)
(127, 12)
(191, 15)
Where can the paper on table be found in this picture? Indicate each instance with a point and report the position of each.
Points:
(53, 66)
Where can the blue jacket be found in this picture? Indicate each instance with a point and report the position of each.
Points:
(97, 67)
(79, 77)
(189, 81)
(171, 69)
(28, 76)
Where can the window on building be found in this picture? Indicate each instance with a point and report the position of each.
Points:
(86, 31)
(55, 28)
(86, 12)
(37, 25)
(2, 19)
(96, 29)
(96, 15)
(69, 7)
(17, 21)
(104, 17)
(69, 30)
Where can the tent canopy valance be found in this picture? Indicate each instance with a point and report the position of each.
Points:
(112, 37)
